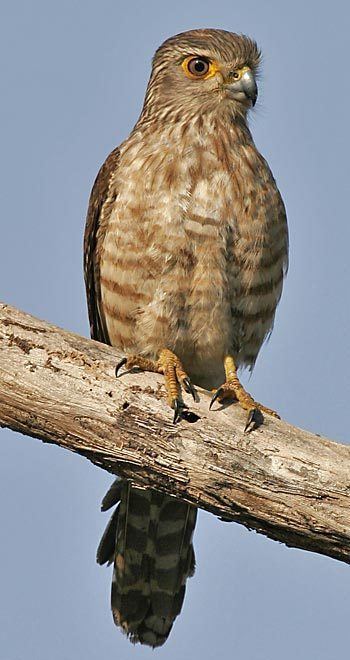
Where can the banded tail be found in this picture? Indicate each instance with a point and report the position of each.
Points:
(149, 540)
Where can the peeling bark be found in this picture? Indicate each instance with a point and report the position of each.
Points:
(291, 485)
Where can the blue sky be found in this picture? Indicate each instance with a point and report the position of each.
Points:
(73, 80)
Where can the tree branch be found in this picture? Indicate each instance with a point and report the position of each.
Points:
(283, 482)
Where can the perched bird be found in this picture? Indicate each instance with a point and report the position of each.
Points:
(186, 247)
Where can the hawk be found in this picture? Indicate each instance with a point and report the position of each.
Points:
(186, 247)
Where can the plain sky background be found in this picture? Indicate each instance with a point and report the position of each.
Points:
(72, 84)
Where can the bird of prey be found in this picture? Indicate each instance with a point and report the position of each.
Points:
(186, 247)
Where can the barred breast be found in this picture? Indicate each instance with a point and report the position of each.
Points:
(195, 248)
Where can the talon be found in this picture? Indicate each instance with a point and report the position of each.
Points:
(119, 365)
(254, 419)
(175, 377)
(179, 407)
(189, 387)
(216, 396)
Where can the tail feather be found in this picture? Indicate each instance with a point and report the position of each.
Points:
(191, 561)
(106, 548)
(150, 537)
(130, 588)
(113, 495)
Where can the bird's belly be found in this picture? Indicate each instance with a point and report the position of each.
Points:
(195, 302)
(172, 276)
(172, 293)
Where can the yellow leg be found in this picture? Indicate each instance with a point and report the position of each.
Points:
(174, 375)
(232, 388)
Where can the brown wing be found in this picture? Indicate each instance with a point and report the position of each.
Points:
(93, 239)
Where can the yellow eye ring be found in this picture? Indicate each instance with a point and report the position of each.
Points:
(199, 67)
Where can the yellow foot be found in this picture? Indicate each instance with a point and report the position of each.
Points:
(233, 389)
(174, 375)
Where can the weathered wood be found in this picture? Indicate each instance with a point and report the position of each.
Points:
(283, 482)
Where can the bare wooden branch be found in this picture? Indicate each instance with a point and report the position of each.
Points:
(283, 482)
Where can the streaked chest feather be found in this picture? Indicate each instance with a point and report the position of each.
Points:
(194, 250)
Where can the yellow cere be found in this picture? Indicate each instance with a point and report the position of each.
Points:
(242, 71)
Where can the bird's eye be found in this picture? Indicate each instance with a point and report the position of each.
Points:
(198, 67)
(235, 75)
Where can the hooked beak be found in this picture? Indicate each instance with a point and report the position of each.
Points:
(245, 87)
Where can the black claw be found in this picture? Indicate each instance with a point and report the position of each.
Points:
(179, 408)
(217, 394)
(254, 419)
(177, 411)
(189, 388)
(119, 365)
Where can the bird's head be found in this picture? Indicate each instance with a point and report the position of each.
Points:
(204, 70)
